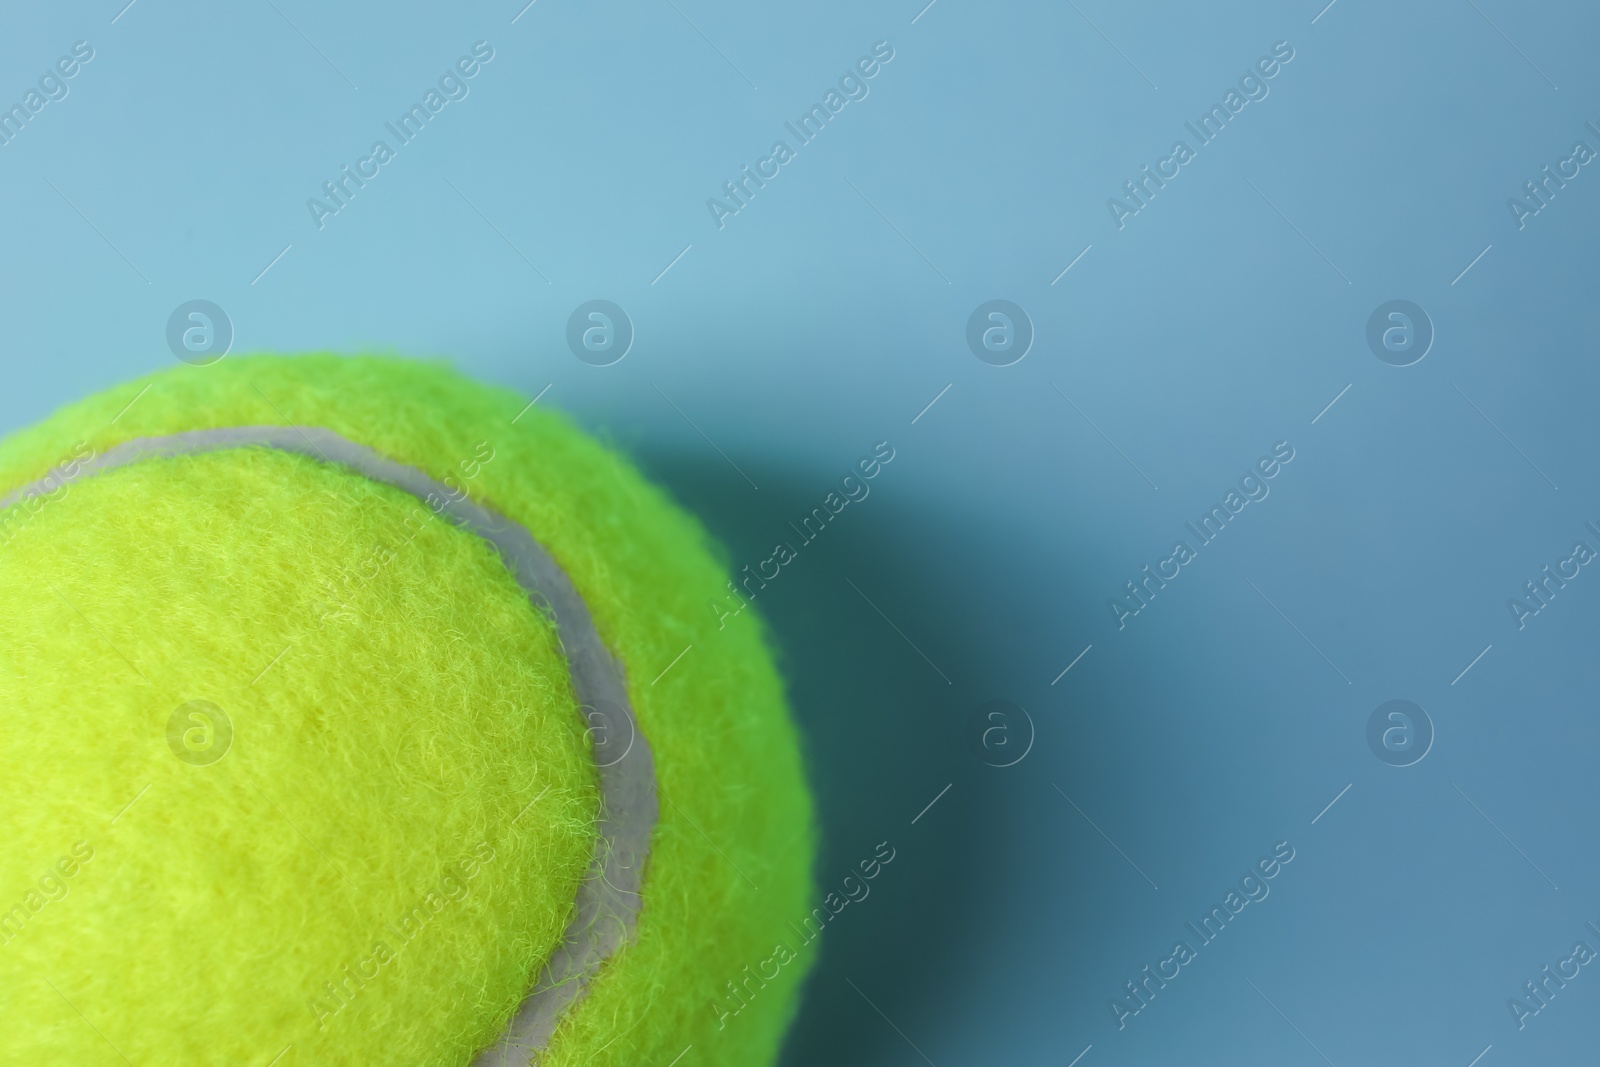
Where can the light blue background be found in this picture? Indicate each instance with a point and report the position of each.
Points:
(824, 317)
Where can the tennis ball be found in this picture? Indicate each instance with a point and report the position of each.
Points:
(355, 713)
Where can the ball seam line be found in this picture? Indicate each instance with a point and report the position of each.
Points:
(607, 905)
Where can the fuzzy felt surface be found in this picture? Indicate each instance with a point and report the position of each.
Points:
(395, 704)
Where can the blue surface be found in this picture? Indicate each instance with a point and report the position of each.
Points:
(1220, 319)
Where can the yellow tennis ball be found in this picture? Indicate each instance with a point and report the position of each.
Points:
(354, 713)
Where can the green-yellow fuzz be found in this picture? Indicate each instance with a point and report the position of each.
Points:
(405, 740)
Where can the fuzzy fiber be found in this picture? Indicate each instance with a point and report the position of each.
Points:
(407, 767)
